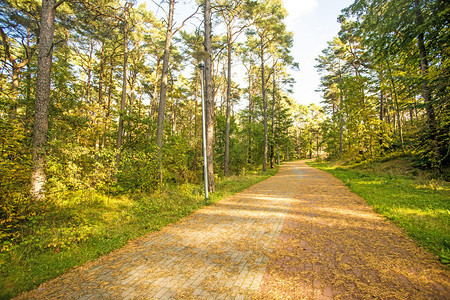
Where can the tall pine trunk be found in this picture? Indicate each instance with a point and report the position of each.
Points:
(272, 143)
(263, 90)
(426, 92)
(108, 102)
(42, 101)
(124, 85)
(397, 107)
(16, 68)
(227, 126)
(163, 89)
(209, 99)
(250, 113)
(341, 117)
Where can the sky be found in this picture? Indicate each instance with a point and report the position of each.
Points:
(313, 22)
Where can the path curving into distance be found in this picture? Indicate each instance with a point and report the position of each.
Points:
(300, 234)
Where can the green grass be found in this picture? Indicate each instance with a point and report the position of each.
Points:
(83, 225)
(414, 201)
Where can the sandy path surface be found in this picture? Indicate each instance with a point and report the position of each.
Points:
(298, 235)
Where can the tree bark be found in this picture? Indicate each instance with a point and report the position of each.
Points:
(397, 107)
(263, 90)
(89, 72)
(16, 68)
(108, 104)
(250, 113)
(100, 95)
(299, 142)
(163, 89)
(272, 143)
(381, 105)
(341, 103)
(42, 101)
(209, 99)
(227, 126)
(426, 92)
(124, 85)
(152, 108)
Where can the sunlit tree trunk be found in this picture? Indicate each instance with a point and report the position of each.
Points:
(426, 92)
(397, 107)
(153, 104)
(341, 112)
(108, 103)
(163, 89)
(227, 126)
(124, 85)
(263, 90)
(209, 99)
(16, 68)
(42, 101)
(272, 143)
(250, 113)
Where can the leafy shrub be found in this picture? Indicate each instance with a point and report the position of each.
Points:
(15, 170)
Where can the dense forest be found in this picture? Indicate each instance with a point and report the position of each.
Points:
(104, 95)
(386, 82)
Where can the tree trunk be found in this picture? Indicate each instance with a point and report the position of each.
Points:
(250, 113)
(397, 107)
(100, 95)
(42, 101)
(89, 71)
(227, 126)
(263, 89)
(154, 96)
(124, 85)
(108, 104)
(272, 143)
(132, 98)
(341, 117)
(163, 89)
(15, 94)
(209, 100)
(426, 92)
(100, 76)
(16, 68)
(381, 105)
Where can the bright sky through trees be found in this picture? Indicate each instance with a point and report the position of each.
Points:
(313, 22)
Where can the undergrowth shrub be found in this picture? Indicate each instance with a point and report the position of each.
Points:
(15, 170)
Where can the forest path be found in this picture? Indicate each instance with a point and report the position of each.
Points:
(300, 234)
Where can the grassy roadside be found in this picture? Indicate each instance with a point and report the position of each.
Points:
(82, 226)
(409, 197)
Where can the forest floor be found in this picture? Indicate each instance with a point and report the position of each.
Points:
(301, 234)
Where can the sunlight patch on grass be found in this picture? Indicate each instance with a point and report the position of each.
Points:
(421, 212)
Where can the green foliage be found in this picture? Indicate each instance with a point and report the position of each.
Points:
(97, 192)
(77, 226)
(138, 171)
(383, 81)
(15, 162)
(73, 167)
(411, 198)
